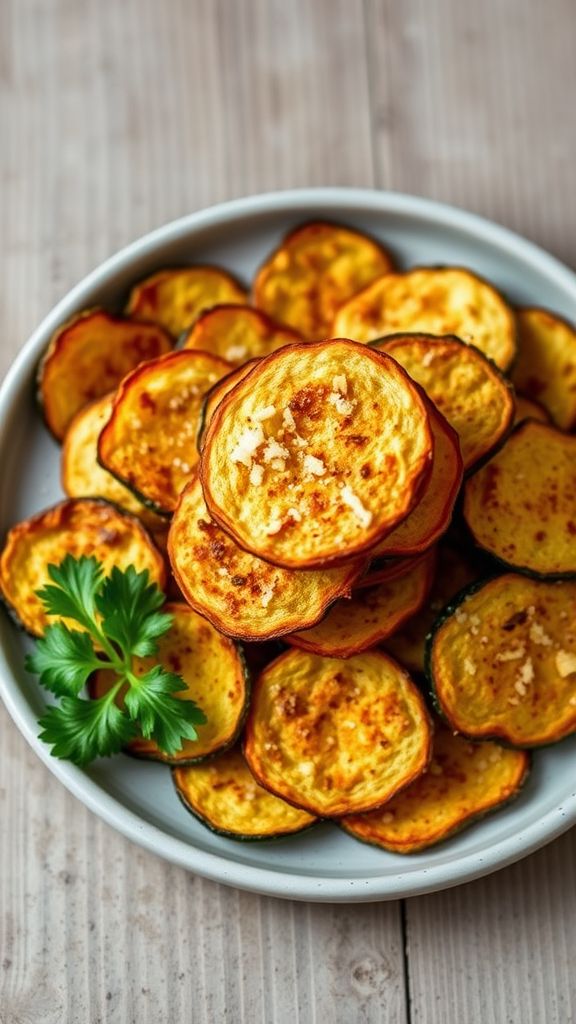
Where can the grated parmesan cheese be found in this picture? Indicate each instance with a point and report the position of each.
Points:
(344, 406)
(235, 352)
(313, 466)
(267, 594)
(266, 413)
(274, 526)
(469, 667)
(526, 672)
(288, 419)
(340, 383)
(249, 441)
(363, 515)
(256, 474)
(538, 635)
(565, 663)
(274, 450)
(295, 515)
(512, 654)
(428, 357)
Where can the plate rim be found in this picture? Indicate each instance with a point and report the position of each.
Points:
(215, 867)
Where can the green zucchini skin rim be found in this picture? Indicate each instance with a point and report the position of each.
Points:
(447, 613)
(9, 607)
(474, 818)
(522, 570)
(498, 371)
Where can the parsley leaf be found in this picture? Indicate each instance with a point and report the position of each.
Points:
(162, 716)
(80, 730)
(64, 659)
(122, 620)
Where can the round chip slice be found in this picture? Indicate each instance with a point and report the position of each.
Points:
(214, 672)
(79, 526)
(545, 369)
(371, 615)
(317, 454)
(336, 737)
(82, 475)
(502, 661)
(433, 300)
(238, 333)
(317, 268)
(466, 387)
(521, 506)
(464, 782)
(149, 442)
(176, 298)
(88, 357)
(431, 516)
(225, 796)
(241, 595)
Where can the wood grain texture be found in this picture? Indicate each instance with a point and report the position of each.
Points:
(114, 118)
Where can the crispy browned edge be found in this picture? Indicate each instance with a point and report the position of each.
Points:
(55, 344)
(355, 571)
(135, 289)
(439, 527)
(257, 684)
(354, 551)
(24, 526)
(305, 644)
(271, 324)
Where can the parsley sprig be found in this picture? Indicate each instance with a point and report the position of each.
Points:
(121, 620)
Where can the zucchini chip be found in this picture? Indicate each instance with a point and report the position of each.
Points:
(371, 615)
(241, 595)
(225, 796)
(464, 782)
(317, 454)
(502, 661)
(149, 442)
(433, 300)
(336, 737)
(546, 366)
(79, 526)
(217, 392)
(238, 333)
(432, 515)
(88, 357)
(464, 385)
(176, 298)
(317, 268)
(455, 570)
(215, 675)
(529, 409)
(521, 506)
(82, 475)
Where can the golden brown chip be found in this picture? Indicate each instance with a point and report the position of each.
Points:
(241, 595)
(336, 737)
(214, 672)
(468, 390)
(433, 300)
(225, 796)
(79, 526)
(317, 454)
(176, 298)
(82, 475)
(431, 516)
(149, 442)
(238, 333)
(88, 357)
(521, 506)
(464, 782)
(317, 268)
(545, 369)
(502, 661)
(370, 615)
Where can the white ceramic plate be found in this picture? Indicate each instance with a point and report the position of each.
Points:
(137, 797)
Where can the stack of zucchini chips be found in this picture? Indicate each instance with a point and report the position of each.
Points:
(368, 543)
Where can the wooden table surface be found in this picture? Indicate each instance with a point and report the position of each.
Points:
(119, 115)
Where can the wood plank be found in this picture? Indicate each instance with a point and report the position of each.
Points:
(116, 117)
(471, 104)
